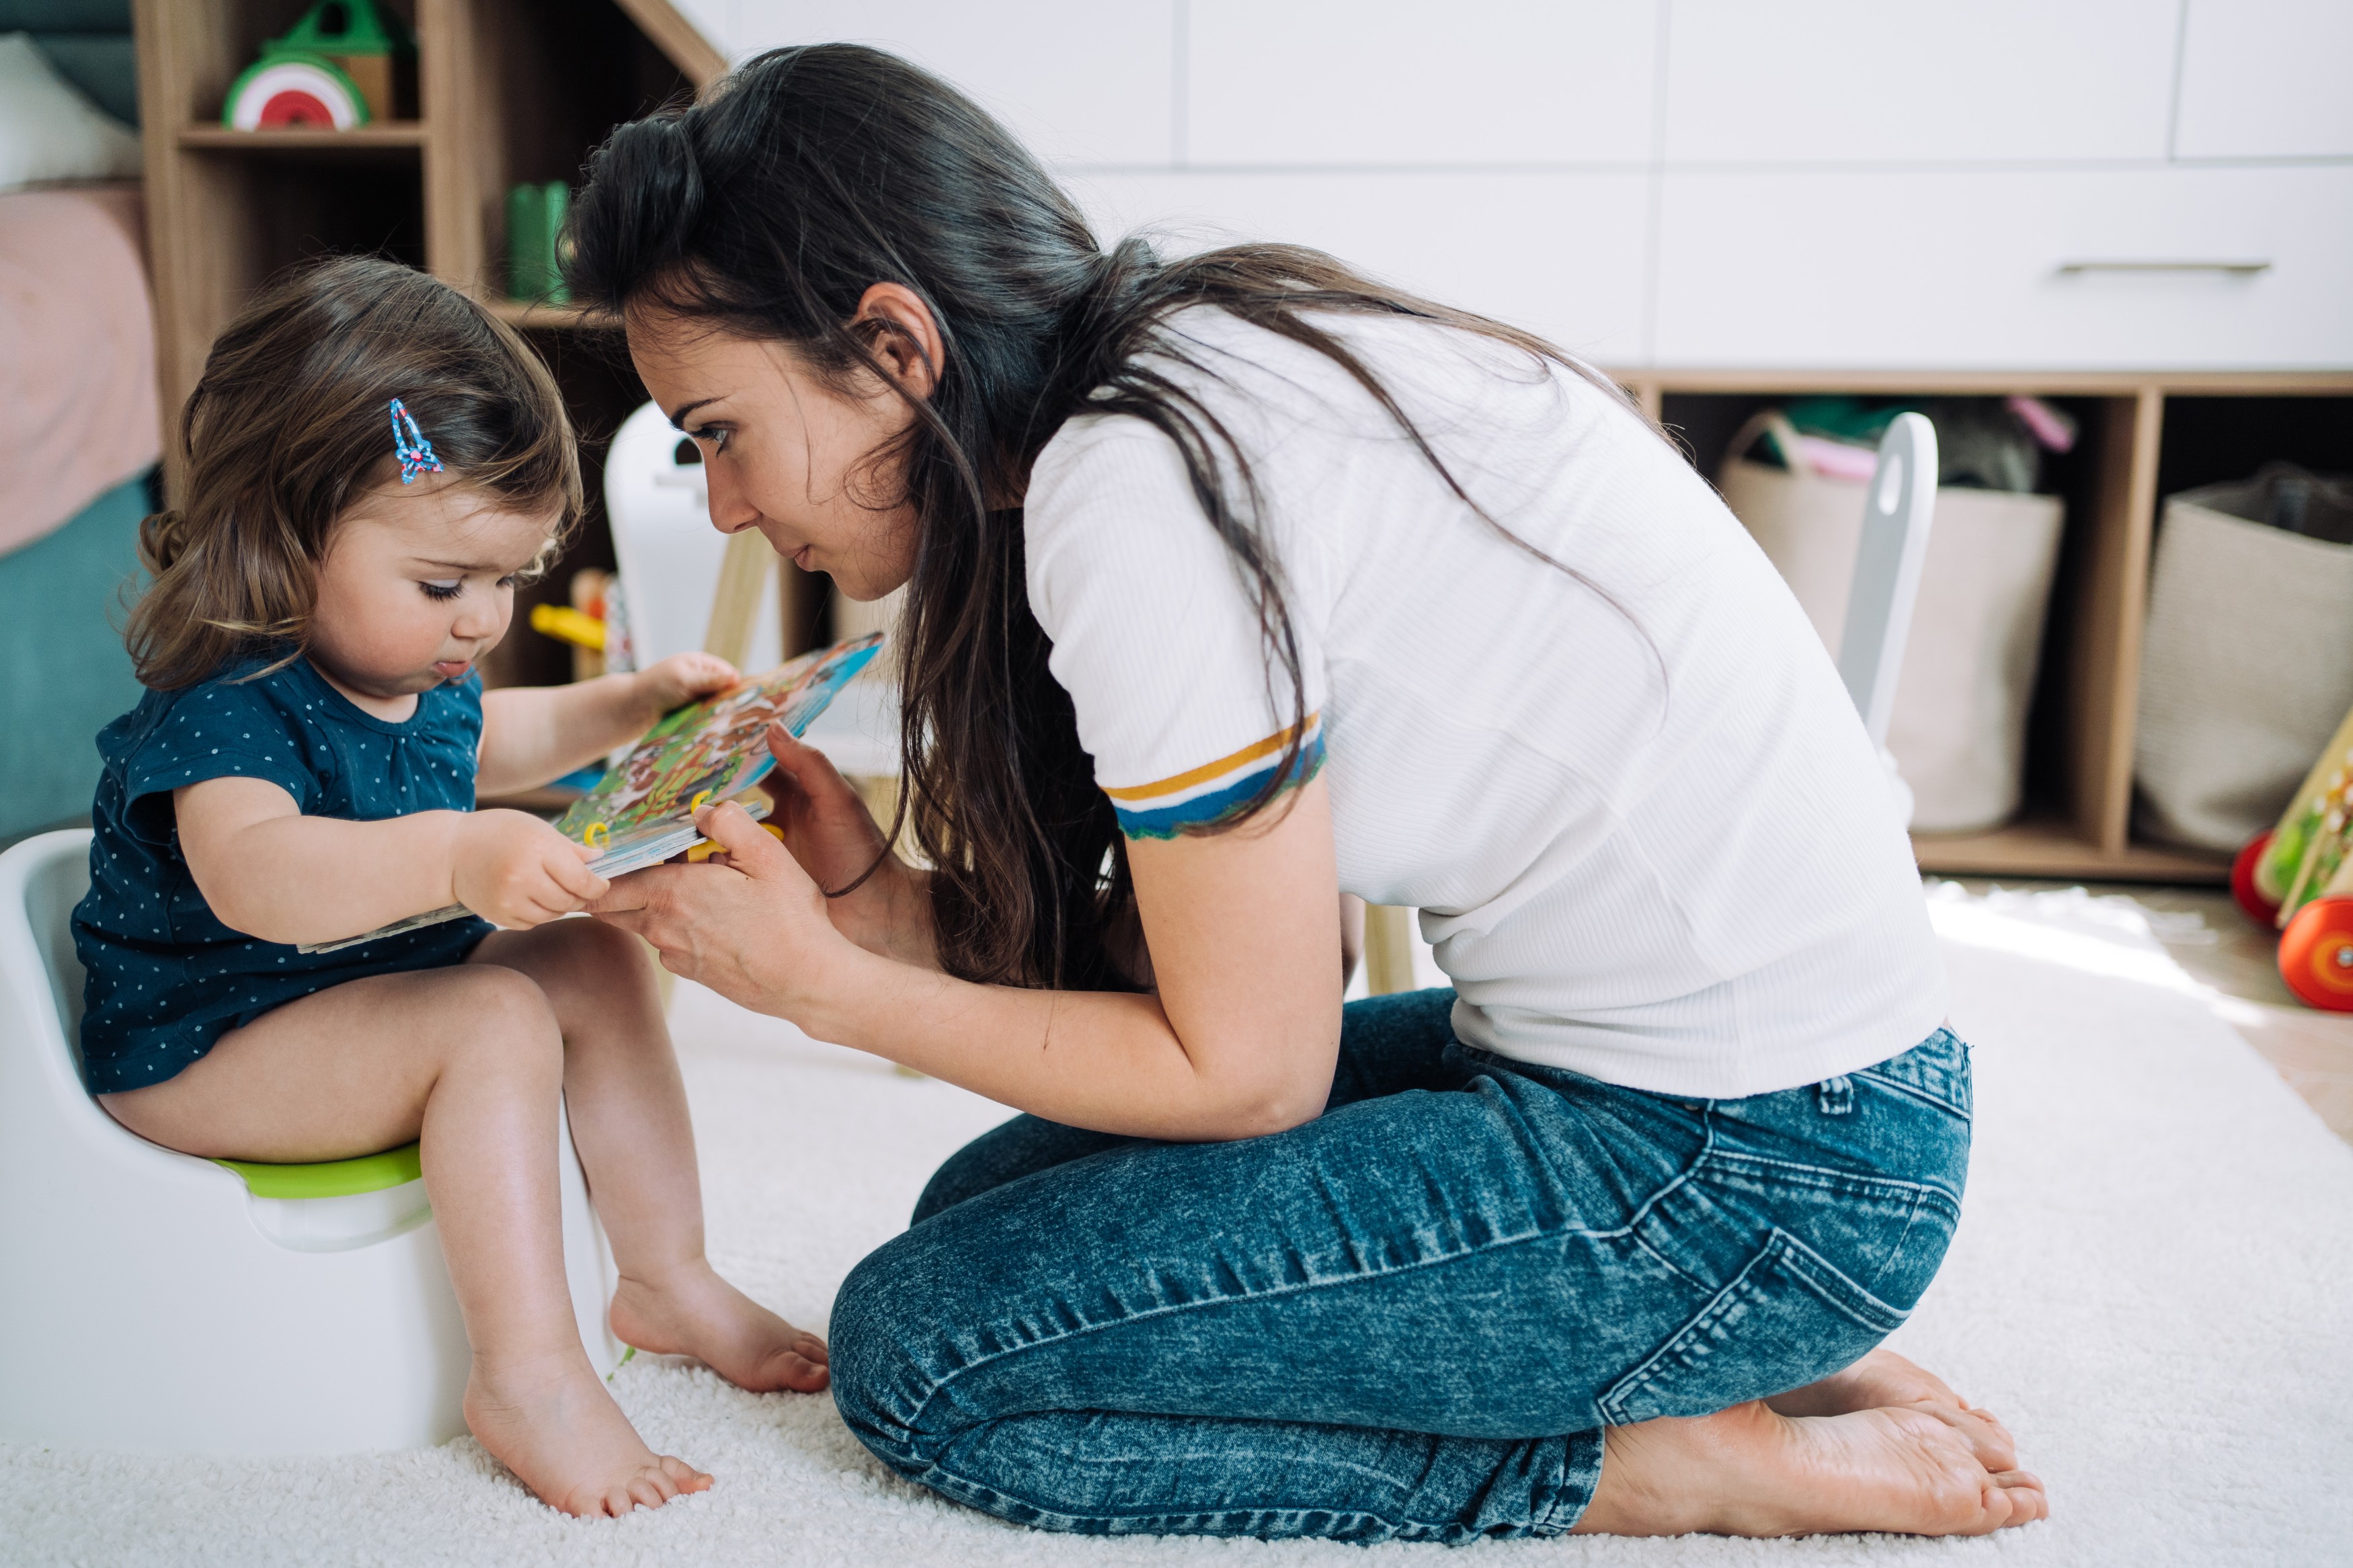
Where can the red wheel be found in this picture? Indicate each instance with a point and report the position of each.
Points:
(2260, 909)
(2316, 954)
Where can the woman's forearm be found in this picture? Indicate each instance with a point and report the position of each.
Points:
(891, 915)
(1105, 1060)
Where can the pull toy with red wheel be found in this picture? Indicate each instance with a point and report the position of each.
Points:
(2298, 877)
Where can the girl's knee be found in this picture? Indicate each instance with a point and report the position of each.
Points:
(591, 957)
(505, 1012)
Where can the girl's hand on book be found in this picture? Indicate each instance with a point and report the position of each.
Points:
(680, 679)
(516, 871)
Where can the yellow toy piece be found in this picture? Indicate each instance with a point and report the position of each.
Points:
(707, 848)
(565, 624)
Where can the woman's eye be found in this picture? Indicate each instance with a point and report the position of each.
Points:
(443, 590)
(715, 433)
(508, 581)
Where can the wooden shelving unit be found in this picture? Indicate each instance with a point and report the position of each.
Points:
(508, 91)
(2145, 437)
(271, 144)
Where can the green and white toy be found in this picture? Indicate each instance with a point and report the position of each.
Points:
(333, 70)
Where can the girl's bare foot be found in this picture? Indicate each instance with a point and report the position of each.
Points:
(554, 1424)
(693, 1312)
(1883, 1379)
(1751, 1471)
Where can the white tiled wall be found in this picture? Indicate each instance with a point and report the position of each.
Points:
(1711, 182)
(1500, 83)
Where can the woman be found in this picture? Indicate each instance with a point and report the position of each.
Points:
(1234, 582)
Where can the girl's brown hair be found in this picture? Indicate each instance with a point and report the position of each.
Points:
(290, 423)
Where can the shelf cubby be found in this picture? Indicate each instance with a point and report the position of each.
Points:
(2144, 436)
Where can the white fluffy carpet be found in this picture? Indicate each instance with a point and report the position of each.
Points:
(2153, 1284)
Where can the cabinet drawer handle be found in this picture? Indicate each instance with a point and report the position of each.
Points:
(2241, 269)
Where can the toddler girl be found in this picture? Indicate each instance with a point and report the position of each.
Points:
(371, 463)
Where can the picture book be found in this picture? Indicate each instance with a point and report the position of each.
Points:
(641, 812)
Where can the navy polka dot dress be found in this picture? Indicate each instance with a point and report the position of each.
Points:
(167, 979)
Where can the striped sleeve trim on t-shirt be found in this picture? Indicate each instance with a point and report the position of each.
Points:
(1208, 795)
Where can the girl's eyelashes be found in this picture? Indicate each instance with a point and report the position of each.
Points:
(443, 590)
(715, 434)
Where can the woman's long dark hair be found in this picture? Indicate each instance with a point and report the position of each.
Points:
(769, 209)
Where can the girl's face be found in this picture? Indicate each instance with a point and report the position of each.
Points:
(788, 454)
(418, 585)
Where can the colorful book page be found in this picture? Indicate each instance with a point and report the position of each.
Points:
(641, 812)
(708, 751)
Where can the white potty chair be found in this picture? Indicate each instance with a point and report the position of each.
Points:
(150, 1300)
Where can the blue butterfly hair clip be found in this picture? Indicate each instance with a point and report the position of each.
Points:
(409, 444)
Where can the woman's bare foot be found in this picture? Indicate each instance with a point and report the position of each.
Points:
(1751, 1471)
(695, 1313)
(558, 1430)
(1884, 1380)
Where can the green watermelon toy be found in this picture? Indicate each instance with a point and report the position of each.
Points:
(333, 71)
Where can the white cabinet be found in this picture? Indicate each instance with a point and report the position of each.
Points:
(1558, 253)
(1889, 81)
(2267, 79)
(1482, 82)
(1717, 182)
(1079, 81)
(1954, 270)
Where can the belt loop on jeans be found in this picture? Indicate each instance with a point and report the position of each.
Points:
(1835, 1096)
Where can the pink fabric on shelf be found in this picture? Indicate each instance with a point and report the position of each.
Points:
(77, 404)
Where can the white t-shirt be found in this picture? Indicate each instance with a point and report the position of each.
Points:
(1648, 836)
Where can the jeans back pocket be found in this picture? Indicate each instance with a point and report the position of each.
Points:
(1786, 1319)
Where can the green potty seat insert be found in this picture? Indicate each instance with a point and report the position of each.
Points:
(331, 1178)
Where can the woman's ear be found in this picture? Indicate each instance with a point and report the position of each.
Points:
(902, 335)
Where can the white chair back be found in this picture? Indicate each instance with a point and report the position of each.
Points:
(1897, 510)
(670, 556)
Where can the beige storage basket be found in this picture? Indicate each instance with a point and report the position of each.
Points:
(1958, 732)
(2246, 667)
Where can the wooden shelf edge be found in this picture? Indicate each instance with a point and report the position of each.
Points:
(222, 139)
(2051, 850)
(677, 39)
(535, 314)
(2045, 383)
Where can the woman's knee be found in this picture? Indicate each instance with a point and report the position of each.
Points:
(880, 1381)
(1006, 1152)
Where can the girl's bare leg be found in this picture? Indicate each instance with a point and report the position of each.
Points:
(470, 1060)
(630, 1122)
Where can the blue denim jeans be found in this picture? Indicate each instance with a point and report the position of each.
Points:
(1408, 1318)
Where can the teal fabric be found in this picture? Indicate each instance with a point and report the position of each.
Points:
(103, 65)
(68, 674)
(65, 16)
(90, 43)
